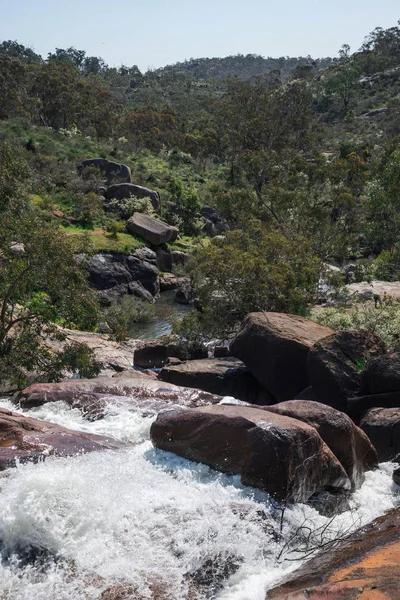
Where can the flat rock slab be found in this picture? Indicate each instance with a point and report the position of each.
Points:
(223, 376)
(112, 356)
(152, 230)
(275, 347)
(280, 455)
(379, 288)
(26, 439)
(366, 566)
(93, 395)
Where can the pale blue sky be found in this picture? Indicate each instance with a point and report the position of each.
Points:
(154, 33)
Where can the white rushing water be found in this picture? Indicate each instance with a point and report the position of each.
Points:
(71, 528)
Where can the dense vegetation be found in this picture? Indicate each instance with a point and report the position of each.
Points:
(301, 157)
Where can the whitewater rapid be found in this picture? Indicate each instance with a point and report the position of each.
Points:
(71, 528)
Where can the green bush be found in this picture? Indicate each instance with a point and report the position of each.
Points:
(384, 319)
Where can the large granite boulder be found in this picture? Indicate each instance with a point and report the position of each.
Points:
(139, 391)
(381, 375)
(25, 439)
(275, 347)
(382, 426)
(348, 443)
(152, 230)
(357, 406)
(363, 566)
(154, 354)
(115, 271)
(335, 362)
(280, 455)
(110, 169)
(223, 376)
(121, 191)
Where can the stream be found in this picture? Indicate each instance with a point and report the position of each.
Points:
(140, 517)
(166, 310)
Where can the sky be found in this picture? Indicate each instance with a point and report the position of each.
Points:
(155, 33)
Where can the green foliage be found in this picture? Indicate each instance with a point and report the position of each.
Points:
(125, 207)
(124, 313)
(384, 319)
(13, 175)
(185, 207)
(252, 270)
(41, 283)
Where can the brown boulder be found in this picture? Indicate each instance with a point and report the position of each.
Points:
(335, 362)
(359, 405)
(366, 565)
(26, 439)
(223, 376)
(348, 443)
(152, 230)
(382, 426)
(283, 456)
(381, 375)
(169, 281)
(275, 347)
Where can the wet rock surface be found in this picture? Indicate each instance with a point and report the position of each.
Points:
(281, 455)
(366, 565)
(26, 439)
(348, 443)
(92, 396)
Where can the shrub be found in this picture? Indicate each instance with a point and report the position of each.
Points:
(384, 319)
(124, 313)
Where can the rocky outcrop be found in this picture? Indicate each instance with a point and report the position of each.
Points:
(167, 260)
(347, 442)
(283, 456)
(125, 273)
(359, 405)
(275, 348)
(155, 353)
(112, 356)
(381, 375)
(382, 426)
(152, 230)
(365, 565)
(25, 439)
(185, 293)
(335, 362)
(121, 191)
(214, 224)
(222, 376)
(137, 392)
(169, 281)
(110, 169)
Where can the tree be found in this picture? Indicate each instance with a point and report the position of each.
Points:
(252, 270)
(13, 172)
(13, 49)
(41, 283)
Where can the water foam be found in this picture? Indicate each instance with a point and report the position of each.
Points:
(148, 518)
